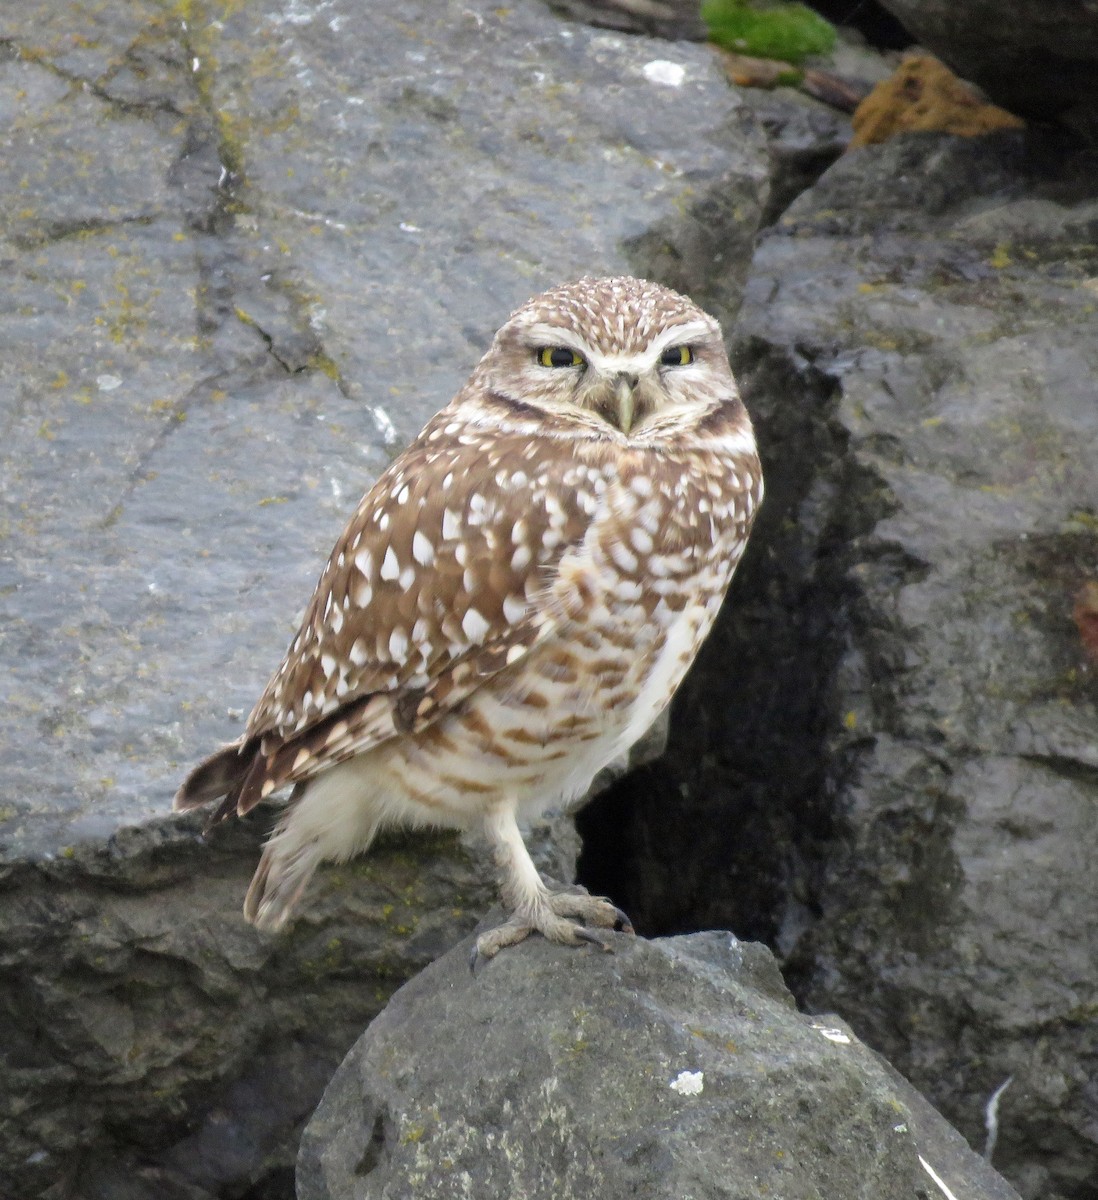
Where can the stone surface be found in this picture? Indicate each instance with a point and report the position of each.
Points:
(155, 1045)
(896, 784)
(667, 1069)
(678, 20)
(1039, 58)
(244, 277)
(803, 138)
(248, 249)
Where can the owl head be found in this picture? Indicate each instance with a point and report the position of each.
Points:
(619, 356)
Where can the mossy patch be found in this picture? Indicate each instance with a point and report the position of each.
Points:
(790, 32)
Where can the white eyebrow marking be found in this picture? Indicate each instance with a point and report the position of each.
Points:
(686, 331)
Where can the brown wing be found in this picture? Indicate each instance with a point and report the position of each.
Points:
(433, 587)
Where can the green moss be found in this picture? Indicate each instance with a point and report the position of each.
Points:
(789, 32)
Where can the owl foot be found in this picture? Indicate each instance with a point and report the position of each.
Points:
(550, 917)
(534, 908)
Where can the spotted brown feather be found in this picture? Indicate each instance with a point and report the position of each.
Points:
(452, 609)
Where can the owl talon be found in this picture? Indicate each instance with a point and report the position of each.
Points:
(591, 910)
(490, 943)
(588, 935)
(553, 923)
(622, 923)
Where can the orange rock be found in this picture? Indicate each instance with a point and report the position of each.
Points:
(925, 95)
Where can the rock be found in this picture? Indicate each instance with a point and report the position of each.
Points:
(670, 1068)
(678, 20)
(804, 132)
(884, 761)
(925, 96)
(155, 1042)
(248, 250)
(1039, 59)
(744, 70)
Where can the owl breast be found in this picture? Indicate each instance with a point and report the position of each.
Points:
(636, 599)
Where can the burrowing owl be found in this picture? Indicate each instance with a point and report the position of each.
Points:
(512, 604)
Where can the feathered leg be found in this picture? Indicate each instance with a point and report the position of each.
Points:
(532, 905)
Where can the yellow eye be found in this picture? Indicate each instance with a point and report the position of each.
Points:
(677, 356)
(559, 356)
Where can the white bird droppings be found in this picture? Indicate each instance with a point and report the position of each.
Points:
(688, 1083)
(661, 71)
(833, 1035)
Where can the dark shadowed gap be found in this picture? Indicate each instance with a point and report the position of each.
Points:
(876, 24)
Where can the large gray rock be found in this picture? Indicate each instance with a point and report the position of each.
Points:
(936, 311)
(154, 1045)
(1039, 58)
(218, 325)
(668, 1069)
(247, 250)
(897, 785)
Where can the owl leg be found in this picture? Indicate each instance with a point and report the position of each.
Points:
(533, 907)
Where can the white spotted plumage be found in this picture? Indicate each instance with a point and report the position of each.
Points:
(513, 602)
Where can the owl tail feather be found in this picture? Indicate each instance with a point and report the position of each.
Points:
(281, 877)
(215, 776)
(227, 772)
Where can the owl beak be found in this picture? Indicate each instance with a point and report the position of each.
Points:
(624, 388)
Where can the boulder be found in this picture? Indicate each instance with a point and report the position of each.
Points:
(938, 300)
(1039, 58)
(670, 1068)
(884, 762)
(248, 250)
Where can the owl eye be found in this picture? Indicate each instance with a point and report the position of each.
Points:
(677, 356)
(559, 356)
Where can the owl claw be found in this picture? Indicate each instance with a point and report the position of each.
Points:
(553, 923)
(622, 922)
(588, 935)
(591, 910)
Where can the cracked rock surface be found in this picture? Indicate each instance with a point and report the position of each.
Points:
(248, 249)
(935, 304)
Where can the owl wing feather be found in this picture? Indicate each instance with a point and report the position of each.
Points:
(433, 587)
